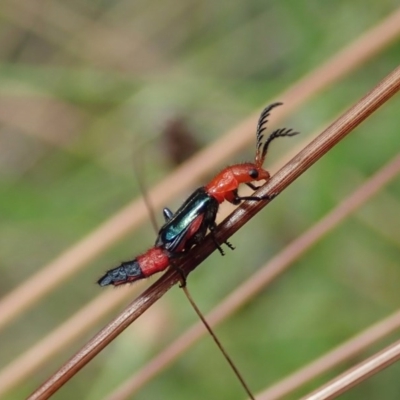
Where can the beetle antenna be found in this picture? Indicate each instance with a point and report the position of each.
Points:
(275, 134)
(261, 126)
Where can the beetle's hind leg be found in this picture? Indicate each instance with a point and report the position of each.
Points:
(217, 245)
(182, 274)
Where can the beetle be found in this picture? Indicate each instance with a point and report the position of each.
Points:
(189, 224)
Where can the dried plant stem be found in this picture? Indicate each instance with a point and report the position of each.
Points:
(332, 135)
(259, 280)
(331, 359)
(357, 374)
(79, 323)
(219, 345)
(69, 331)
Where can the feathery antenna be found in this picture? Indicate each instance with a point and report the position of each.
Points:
(261, 126)
(261, 149)
(275, 134)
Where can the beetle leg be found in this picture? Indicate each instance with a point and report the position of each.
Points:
(218, 246)
(230, 245)
(181, 273)
(252, 186)
(269, 196)
(239, 199)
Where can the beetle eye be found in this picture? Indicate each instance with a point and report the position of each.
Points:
(253, 173)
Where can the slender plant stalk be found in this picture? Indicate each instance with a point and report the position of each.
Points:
(262, 278)
(219, 345)
(357, 374)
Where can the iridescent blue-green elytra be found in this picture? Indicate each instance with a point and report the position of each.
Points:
(175, 234)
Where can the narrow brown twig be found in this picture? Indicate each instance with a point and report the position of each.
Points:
(265, 276)
(338, 355)
(332, 135)
(219, 344)
(357, 374)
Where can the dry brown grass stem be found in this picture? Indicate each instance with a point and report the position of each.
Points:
(130, 217)
(265, 276)
(65, 334)
(78, 324)
(331, 136)
(357, 374)
(92, 313)
(331, 359)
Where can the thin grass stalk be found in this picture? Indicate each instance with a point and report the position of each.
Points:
(79, 323)
(258, 281)
(333, 358)
(262, 278)
(85, 318)
(357, 374)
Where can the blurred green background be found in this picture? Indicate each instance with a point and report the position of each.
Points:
(87, 87)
